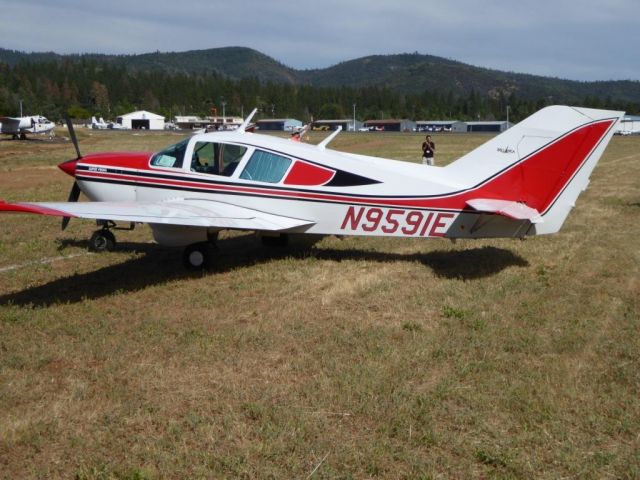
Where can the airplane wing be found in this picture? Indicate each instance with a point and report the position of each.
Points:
(515, 210)
(187, 212)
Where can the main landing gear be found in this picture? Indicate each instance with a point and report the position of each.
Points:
(198, 256)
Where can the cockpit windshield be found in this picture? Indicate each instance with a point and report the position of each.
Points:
(171, 156)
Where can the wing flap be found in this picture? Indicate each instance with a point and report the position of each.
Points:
(196, 213)
(507, 208)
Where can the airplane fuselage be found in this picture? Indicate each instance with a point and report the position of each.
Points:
(321, 186)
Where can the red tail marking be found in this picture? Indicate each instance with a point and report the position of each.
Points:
(541, 177)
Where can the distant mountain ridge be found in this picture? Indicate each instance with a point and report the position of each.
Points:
(403, 73)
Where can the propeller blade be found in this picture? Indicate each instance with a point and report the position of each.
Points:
(65, 222)
(72, 134)
(74, 194)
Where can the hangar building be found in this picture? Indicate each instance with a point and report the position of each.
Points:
(345, 123)
(141, 120)
(281, 124)
(494, 127)
(441, 126)
(219, 123)
(390, 125)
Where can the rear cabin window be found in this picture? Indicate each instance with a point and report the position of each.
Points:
(171, 156)
(266, 167)
(216, 158)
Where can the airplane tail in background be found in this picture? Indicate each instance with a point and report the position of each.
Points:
(536, 169)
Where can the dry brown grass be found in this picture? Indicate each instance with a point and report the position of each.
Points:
(363, 357)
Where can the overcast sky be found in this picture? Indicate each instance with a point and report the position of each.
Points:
(579, 40)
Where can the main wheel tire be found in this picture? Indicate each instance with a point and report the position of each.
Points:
(197, 256)
(102, 241)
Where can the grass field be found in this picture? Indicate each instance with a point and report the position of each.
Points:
(353, 358)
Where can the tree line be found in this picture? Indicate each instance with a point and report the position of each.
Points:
(84, 87)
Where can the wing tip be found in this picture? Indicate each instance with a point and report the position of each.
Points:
(32, 208)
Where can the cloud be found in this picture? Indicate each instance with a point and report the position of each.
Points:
(592, 40)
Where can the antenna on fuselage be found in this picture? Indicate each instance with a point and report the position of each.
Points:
(243, 126)
(326, 141)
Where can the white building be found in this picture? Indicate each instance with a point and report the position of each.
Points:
(141, 120)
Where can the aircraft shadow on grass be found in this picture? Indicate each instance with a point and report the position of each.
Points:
(158, 265)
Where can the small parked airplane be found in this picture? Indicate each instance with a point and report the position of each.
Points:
(523, 182)
(18, 127)
(99, 124)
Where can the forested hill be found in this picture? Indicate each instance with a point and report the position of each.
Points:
(413, 73)
(200, 81)
(403, 73)
(232, 62)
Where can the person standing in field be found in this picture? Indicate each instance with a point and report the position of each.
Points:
(428, 150)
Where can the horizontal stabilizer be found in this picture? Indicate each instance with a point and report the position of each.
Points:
(515, 210)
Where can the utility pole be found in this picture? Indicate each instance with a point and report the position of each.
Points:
(354, 117)
(508, 116)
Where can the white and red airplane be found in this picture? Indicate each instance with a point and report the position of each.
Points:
(523, 182)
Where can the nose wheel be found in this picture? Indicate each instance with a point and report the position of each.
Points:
(102, 241)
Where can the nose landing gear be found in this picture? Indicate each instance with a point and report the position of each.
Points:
(103, 240)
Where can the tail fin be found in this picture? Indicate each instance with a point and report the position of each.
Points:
(542, 164)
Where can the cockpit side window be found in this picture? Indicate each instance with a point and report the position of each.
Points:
(203, 157)
(216, 158)
(266, 167)
(172, 156)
